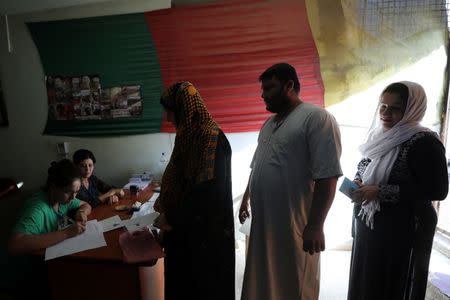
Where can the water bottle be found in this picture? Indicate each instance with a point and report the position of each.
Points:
(163, 161)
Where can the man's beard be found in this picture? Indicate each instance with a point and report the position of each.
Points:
(279, 106)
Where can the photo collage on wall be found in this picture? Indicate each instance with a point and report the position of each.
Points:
(82, 98)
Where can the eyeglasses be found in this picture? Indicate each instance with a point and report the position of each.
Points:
(383, 107)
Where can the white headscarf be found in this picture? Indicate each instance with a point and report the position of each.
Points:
(382, 147)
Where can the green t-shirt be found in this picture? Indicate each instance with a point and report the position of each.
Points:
(39, 217)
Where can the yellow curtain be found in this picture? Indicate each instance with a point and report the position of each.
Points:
(361, 42)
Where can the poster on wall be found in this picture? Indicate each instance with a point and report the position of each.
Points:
(82, 98)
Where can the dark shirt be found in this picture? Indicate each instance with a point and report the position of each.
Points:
(96, 188)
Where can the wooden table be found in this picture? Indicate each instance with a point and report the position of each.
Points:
(100, 273)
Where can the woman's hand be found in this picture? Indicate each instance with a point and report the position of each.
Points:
(244, 213)
(113, 199)
(162, 223)
(365, 194)
(75, 229)
(81, 216)
(119, 192)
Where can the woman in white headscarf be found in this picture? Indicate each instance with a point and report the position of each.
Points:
(404, 168)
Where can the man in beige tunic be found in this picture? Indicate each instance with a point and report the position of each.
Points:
(291, 187)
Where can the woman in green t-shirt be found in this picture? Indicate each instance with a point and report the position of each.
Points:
(52, 215)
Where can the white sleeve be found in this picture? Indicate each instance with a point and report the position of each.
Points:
(324, 143)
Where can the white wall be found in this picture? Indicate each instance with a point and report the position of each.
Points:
(25, 154)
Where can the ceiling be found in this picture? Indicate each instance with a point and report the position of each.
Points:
(10, 7)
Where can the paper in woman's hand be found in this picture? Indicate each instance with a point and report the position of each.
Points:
(347, 187)
(140, 247)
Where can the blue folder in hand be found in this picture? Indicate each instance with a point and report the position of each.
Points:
(347, 187)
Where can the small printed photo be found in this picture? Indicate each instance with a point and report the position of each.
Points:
(76, 100)
(96, 96)
(50, 81)
(59, 83)
(59, 89)
(67, 87)
(136, 108)
(106, 111)
(64, 111)
(118, 98)
(95, 84)
(106, 95)
(133, 92)
(75, 85)
(96, 109)
(120, 113)
(85, 83)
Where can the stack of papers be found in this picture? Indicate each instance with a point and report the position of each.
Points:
(90, 239)
(111, 223)
(137, 223)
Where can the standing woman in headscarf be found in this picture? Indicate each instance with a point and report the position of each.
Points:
(404, 168)
(195, 204)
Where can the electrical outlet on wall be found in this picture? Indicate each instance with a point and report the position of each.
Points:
(63, 150)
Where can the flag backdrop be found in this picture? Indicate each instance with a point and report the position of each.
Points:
(222, 48)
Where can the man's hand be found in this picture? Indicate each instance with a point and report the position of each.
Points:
(313, 239)
(243, 211)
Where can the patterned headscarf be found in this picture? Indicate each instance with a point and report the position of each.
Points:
(193, 156)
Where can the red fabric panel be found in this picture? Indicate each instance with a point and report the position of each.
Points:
(222, 48)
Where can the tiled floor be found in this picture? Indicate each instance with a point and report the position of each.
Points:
(334, 273)
(335, 266)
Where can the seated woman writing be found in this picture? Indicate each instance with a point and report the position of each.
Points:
(52, 215)
(93, 190)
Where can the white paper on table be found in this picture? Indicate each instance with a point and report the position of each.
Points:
(90, 239)
(111, 223)
(146, 208)
(245, 228)
(140, 222)
(154, 197)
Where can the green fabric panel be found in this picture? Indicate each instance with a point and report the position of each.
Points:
(117, 48)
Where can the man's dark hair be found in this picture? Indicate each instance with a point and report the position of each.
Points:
(283, 72)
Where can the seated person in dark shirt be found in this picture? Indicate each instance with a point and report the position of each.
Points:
(93, 190)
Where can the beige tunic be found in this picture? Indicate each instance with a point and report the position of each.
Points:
(289, 157)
